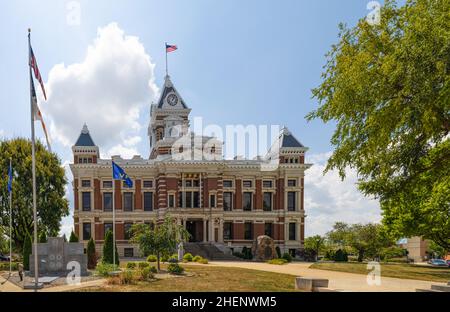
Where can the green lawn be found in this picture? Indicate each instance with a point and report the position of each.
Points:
(407, 271)
(206, 278)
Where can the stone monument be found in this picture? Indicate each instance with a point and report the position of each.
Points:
(55, 255)
(263, 248)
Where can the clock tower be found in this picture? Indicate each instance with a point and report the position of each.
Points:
(169, 120)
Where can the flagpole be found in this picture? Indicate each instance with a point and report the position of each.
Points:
(33, 157)
(167, 68)
(10, 221)
(114, 218)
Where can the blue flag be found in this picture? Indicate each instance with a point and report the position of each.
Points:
(10, 178)
(119, 174)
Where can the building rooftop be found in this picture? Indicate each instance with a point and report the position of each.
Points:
(85, 138)
(288, 140)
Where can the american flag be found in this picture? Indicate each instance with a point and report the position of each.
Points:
(37, 115)
(171, 48)
(37, 74)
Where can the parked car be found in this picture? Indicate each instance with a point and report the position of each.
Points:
(4, 258)
(438, 262)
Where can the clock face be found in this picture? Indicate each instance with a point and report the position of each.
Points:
(172, 99)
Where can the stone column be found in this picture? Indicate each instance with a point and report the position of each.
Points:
(286, 231)
(204, 230)
(80, 236)
(211, 230)
(220, 238)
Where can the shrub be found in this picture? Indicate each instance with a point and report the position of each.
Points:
(329, 255)
(307, 254)
(164, 258)
(278, 261)
(127, 277)
(108, 249)
(131, 265)
(392, 252)
(203, 261)
(153, 269)
(104, 269)
(43, 238)
(173, 259)
(197, 258)
(144, 274)
(26, 253)
(287, 257)
(4, 266)
(340, 256)
(278, 250)
(175, 268)
(143, 265)
(73, 237)
(238, 254)
(188, 257)
(152, 258)
(91, 254)
(247, 253)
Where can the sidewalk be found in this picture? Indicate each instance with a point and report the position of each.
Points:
(10, 287)
(340, 281)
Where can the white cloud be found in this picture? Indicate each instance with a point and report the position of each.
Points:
(107, 90)
(123, 151)
(328, 199)
(67, 222)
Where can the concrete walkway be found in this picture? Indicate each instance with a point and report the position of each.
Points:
(10, 287)
(340, 281)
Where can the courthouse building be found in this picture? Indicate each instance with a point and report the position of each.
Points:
(222, 203)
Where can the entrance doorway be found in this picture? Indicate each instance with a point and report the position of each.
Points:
(195, 229)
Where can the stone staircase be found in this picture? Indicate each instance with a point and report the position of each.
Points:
(436, 288)
(208, 251)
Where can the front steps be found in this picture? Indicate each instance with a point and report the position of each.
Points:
(208, 251)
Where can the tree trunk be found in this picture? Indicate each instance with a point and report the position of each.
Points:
(157, 258)
(361, 256)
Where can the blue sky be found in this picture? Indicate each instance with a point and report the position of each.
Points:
(239, 62)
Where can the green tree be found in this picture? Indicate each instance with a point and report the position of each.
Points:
(162, 240)
(367, 240)
(387, 87)
(315, 243)
(338, 236)
(91, 254)
(50, 180)
(436, 250)
(108, 249)
(4, 241)
(26, 253)
(43, 237)
(73, 237)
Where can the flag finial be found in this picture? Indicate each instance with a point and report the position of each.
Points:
(29, 30)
